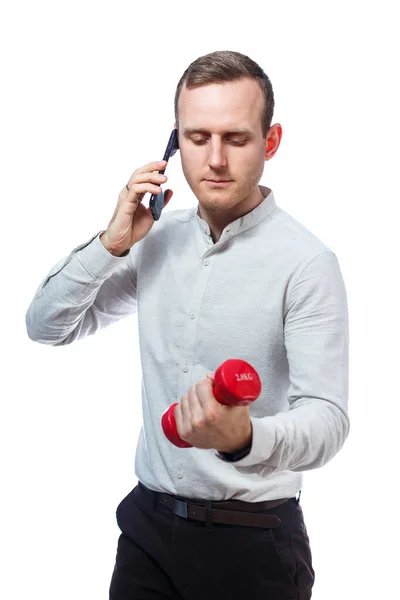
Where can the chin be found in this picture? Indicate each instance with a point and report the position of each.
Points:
(217, 196)
(213, 201)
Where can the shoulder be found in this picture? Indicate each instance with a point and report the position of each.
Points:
(293, 233)
(171, 219)
(172, 227)
(299, 250)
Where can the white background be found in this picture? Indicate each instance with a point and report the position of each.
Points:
(87, 97)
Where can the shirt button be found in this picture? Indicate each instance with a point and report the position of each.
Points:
(185, 369)
(206, 262)
(192, 315)
(179, 474)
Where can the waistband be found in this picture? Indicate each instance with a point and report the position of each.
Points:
(228, 512)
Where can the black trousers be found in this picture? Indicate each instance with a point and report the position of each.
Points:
(161, 556)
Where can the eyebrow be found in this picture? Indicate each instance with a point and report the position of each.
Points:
(237, 130)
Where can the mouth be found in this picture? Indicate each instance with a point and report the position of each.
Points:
(218, 182)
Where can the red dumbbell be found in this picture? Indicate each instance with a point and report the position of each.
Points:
(236, 383)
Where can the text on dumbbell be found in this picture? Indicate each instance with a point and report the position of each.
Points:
(244, 377)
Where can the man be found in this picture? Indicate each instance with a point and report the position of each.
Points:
(236, 277)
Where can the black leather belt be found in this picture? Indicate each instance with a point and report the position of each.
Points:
(227, 512)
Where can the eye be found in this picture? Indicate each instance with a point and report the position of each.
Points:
(202, 141)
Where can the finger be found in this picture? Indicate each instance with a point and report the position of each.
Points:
(141, 188)
(153, 166)
(148, 177)
(210, 406)
(198, 403)
(204, 391)
(179, 419)
(185, 411)
(167, 196)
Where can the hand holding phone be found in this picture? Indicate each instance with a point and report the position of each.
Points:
(131, 220)
(156, 203)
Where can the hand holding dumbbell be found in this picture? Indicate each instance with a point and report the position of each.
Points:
(236, 383)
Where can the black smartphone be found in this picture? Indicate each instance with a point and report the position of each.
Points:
(157, 200)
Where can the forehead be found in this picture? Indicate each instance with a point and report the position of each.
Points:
(220, 106)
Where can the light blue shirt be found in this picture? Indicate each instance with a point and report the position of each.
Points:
(268, 292)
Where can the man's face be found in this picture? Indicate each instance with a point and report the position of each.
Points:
(220, 138)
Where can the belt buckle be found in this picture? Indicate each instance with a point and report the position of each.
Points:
(180, 508)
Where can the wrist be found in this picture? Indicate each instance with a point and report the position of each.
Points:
(109, 248)
(243, 445)
(236, 449)
(237, 455)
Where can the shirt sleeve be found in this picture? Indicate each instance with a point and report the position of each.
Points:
(316, 338)
(84, 292)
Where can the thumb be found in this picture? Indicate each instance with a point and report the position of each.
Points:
(167, 196)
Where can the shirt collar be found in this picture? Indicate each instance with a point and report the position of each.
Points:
(254, 217)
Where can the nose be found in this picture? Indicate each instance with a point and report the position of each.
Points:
(216, 157)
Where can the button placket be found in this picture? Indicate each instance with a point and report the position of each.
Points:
(188, 342)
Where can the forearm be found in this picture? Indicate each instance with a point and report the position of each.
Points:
(316, 337)
(63, 309)
(304, 438)
(115, 252)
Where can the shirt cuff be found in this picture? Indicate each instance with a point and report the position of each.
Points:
(96, 259)
(262, 446)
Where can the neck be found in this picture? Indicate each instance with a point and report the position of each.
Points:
(218, 219)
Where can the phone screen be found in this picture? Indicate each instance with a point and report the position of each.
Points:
(157, 200)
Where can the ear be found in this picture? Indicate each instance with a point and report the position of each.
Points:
(273, 141)
(268, 149)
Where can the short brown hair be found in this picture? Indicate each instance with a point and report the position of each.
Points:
(226, 65)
